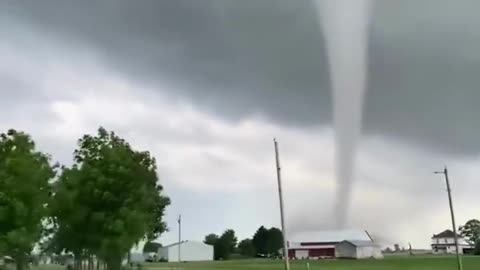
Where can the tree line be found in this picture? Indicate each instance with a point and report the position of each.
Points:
(96, 209)
(268, 242)
(264, 243)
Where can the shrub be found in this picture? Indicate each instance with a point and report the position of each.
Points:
(476, 250)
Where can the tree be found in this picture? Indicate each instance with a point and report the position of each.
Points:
(151, 247)
(211, 239)
(24, 194)
(220, 251)
(274, 241)
(230, 240)
(246, 248)
(107, 201)
(68, 220)
(471, 231)
(476, 250)
(225, 245)
(260, 239)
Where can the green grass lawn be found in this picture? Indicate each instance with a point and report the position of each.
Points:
(389, 263)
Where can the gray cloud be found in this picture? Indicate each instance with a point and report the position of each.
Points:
(210, 50)
(237, 58)
(424, 60)
(210, 166)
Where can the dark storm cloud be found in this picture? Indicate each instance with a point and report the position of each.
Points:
(236, 58)
(233, 57)
(15, 87)
(424, 73)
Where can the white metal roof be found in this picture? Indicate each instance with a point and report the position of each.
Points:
(330, 236)
(361, 243)
(183, 242)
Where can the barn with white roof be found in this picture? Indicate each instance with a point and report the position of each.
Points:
(333, 244)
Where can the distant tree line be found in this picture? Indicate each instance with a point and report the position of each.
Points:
(264, 243)
(97, 209)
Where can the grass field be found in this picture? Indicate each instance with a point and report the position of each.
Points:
(392, 263)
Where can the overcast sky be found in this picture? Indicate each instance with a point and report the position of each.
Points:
(206, 84)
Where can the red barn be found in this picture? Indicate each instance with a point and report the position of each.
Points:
(321, 244)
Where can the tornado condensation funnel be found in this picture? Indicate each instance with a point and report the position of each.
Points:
(345, 27)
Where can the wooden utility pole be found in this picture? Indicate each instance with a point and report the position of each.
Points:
(459, 259)
(280, 195)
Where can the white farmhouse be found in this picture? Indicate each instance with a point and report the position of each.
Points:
(190, 251)
(444, 243)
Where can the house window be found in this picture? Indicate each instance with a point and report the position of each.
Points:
(445, 240)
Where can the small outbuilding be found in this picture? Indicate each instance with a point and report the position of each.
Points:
(190, 251)
(358, 250)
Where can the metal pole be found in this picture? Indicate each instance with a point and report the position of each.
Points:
(459, 259)
(280, 195)
(179, 236)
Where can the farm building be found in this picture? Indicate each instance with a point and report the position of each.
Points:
(358, 249)
(190, 251)
(137, 257)
(331, 244)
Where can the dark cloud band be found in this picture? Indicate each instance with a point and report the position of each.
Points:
(237, 58)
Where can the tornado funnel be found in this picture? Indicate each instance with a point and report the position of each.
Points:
(345, 28)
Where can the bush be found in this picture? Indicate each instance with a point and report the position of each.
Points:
(476, 250)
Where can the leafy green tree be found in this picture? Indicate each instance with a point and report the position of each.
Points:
(107, 201)
(274, 241)
(260, 239)
(246, 248)
(220, 251)
(71, 226)
(225, 245)
(268, 241)
(230, 240)
(471, 231)
(211, 239)
(25, 174)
